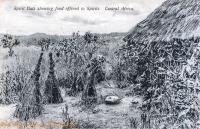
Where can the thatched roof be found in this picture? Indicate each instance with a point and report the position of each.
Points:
(173, 19)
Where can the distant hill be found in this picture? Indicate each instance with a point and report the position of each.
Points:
(114, 34)
(34, 38)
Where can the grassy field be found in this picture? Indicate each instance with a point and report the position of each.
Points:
(100, 115)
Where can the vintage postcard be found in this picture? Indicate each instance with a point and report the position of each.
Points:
(99, 64)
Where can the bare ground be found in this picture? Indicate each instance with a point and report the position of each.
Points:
(101, 115)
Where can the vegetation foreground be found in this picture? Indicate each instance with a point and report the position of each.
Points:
(97, 81)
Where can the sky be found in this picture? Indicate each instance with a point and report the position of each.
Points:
(63, 22)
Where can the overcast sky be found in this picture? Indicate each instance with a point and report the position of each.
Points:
(66, 22)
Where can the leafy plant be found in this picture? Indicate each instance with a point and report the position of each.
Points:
(44, 44)
(9, 42)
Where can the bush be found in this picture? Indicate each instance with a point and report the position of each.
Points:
(12, 84)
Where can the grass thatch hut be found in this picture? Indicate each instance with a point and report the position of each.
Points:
(173, 19)
(169, 38)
